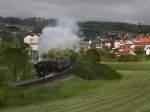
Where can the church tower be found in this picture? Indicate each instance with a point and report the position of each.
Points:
(139, 29)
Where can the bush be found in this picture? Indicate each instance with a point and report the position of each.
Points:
(74, 57)
(89, 71)
(129, 58)
(58, 52)
(1, 99)
(147, 58)
(63, 53)
(94, 55)
(139, 51)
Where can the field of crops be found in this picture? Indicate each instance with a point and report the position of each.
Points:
(130, 94)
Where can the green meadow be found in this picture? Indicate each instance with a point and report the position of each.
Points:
(129, 94)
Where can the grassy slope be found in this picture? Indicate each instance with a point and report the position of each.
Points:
(130, 94)
(129, 65)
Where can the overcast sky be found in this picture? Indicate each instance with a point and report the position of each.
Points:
(102, 10)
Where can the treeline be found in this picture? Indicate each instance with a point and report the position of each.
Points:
(91, 29)
(37, 23)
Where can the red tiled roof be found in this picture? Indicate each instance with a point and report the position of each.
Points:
(125, 51)
(144, 40)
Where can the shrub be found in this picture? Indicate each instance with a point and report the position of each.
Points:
(139, 51)
(89, 71)
(147, 58)
(57, 52)
(129, 58)
(74, 57)
(1, 99)
(60, 52)
(94, 55)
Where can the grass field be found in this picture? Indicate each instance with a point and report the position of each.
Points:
(130, 94)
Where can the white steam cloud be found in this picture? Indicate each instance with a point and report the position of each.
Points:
(62, 36)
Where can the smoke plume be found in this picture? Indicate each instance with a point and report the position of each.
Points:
(62, 36)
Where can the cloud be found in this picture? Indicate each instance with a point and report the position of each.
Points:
(102, 10)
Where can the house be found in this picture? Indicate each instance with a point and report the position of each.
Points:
(83, 45)
(126, 51)
(143, 40)
(100, 43)
(33, 42)
(147, 49)
(117, 44)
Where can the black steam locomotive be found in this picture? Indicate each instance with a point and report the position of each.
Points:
(52, 65)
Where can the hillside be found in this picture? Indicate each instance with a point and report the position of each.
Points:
(95, 28)
(130, 94)
(91, 29)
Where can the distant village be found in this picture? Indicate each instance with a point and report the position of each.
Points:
(119, 43)
(122, 43)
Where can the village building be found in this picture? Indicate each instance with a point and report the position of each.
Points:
(140, 42)
(126, 51)
(147, 49)
(83, 45)
(101, 43)
(33, 42)
(122, 43)
(117, 44)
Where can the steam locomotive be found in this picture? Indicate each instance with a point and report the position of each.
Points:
(52, 65)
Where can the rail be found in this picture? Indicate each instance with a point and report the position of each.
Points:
(46, 79)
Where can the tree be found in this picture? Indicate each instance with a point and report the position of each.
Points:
(64, 53)
(94, 55)
(88, 70)
(15, 59)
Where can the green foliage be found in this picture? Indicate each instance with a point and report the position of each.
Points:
(147, 58)
(90, 71)
(4, 77)
(14, 65)
(139, 51)
(66, 52)
(74, 57)
(92, 29)
(74, 91)
(2, 100)
(142, 65)
(94, 55)
(89, 67)
(131, 93)
(14, 61)
(58, 52)
(61, 90)
(129, 58)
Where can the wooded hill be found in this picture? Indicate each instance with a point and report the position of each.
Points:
(91, 29)
(95, 28)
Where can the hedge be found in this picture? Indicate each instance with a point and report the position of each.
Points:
(89, 71)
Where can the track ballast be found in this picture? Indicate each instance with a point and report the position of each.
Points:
(46, 79)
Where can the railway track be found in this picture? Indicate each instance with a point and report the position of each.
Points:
(46, 79)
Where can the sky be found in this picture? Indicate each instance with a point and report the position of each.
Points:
(130, 11)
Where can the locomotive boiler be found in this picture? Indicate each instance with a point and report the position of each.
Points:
(52, 65)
